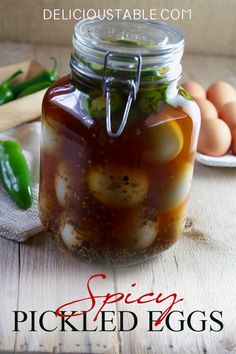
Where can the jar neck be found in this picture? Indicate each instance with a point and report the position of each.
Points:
(84, 82)
(135, 56)
(126, 69)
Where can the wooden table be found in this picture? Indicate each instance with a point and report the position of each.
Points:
(201, 267)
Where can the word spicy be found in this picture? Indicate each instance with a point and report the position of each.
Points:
(99, 302)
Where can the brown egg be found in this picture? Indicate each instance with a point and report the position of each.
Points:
(228, 114)
(220, 93)
(234, 141)
(194, 88)
(208, 110)
(214, 138)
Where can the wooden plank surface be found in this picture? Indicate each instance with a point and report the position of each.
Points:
(9, 285)
(200, 267)
(49, 279)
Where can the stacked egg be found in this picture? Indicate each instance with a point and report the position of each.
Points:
(218, 111)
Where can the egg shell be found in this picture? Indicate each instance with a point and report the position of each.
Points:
(214, 137)
(207, 109)
(164, 141)
(64, 185)
(70, 231)
(175, 189)
(118, 186)
(234, 141)
(228, 114)
(195, 89)
(219, 93)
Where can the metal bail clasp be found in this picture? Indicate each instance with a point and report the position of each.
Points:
(133, 85)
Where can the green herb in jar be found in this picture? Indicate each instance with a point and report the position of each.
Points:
(149, 102)
(185, 93)
(97, 105)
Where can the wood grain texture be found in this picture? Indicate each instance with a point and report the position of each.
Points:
(9, 280)
(201, 267)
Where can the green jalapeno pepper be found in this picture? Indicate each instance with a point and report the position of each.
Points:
(34, 88)
(6, 93)
(14, 174)
(45, 76)
(97, 105)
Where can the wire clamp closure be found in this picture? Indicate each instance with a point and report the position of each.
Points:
(133, 90)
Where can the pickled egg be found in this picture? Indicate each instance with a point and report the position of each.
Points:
(164, 141)
(145, 235)
(175, 189)
(64, 184)
(207, 109)
(219, 93)
(195, 89)
(140, 229)
(214, 137)
(118, 186)
(70, 231)
(50, 137)
(228, 114)
(234, 141)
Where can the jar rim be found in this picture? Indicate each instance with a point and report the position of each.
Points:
(142, 37)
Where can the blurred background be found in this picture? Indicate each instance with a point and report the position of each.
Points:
(211, 29)
(209, 33)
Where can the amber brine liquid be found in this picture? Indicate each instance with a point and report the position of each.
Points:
(113, 200)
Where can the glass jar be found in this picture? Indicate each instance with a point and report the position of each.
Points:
(118, 143)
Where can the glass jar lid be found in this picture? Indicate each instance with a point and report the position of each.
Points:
(159, 44)
(128, 36)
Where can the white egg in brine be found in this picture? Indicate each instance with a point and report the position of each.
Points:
(139, 229)
(175, 188)
(64, 185)
(70, 231)
(118, 186)
(50, 137)
(145, 234)
(164, 141)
